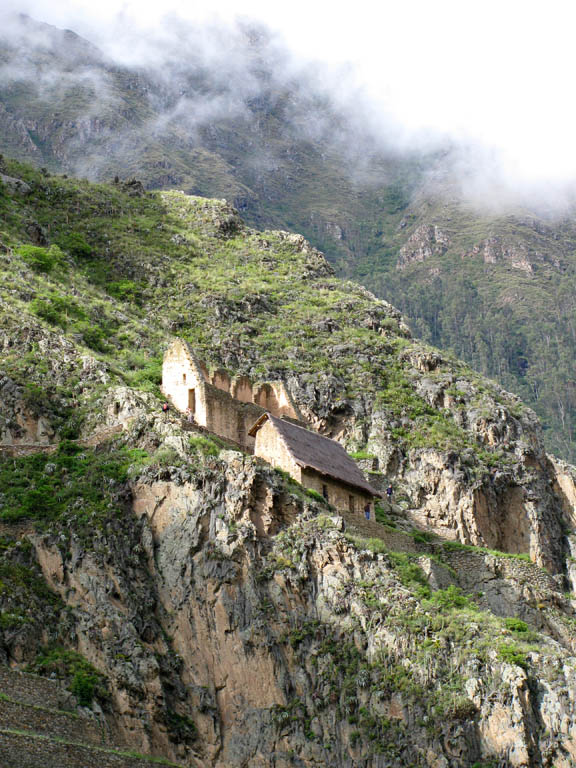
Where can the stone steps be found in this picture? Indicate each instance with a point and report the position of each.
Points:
(395, 540)
(42, 727)
(51, 722)
(35, 690)
(25, 749)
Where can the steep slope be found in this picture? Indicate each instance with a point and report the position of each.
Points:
(208, 608)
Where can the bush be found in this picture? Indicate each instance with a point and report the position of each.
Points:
(47, 311)
(451, 597)
(513, 655)
(147, 378)
(57, 309)
(93, 337)
(41, 259)
(516, 625)
(166, 456)
(34, 397)
(315, 495)
(84, 680)
(125, 290)
(75, 244)
(204, 445)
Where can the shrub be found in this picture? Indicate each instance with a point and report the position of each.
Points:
(75, 244)
(57, 309)
(204, 445)
(125, 290)
(516, 625)
(166, 456)
(513, 655)
(315, 495)
(84, 680)
(148, 377)
(34, 397)
(93, 337)
(47, 311)
(451, 597)
(41, 259)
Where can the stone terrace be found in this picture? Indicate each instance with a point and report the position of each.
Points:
(40, 729)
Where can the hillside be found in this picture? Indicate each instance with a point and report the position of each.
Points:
(199, 605)
(495, 288)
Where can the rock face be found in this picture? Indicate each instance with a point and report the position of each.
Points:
(494, 251)
(238, 620)
(426, 241)
(238, 625)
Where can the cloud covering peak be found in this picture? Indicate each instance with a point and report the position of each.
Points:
(491, 81)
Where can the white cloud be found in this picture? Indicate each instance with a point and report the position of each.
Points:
(496, 75)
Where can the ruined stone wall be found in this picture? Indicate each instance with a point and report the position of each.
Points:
(274, 398)
(338, 493)
(229, 407)
(229, 417)
(179, 376)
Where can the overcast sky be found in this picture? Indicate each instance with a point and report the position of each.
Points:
(498, 74)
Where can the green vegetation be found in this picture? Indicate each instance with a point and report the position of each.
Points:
(498, 290)
(456, 546)
(83, 680)
(43, 487)
(206, 446)
(41, 259)
(511, 654)
(514, 324)
(138, 268)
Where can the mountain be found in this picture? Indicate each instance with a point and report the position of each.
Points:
(241, 124)
(192, 604)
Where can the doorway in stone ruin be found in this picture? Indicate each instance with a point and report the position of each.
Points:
(192, 400)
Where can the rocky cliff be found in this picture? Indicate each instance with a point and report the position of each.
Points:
(200, 606)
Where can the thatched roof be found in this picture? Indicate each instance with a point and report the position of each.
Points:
(313, 451)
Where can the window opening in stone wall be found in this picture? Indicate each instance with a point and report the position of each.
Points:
(240, 431)
(183, 378)
(325, 492)
(192, 400)
(351, 503)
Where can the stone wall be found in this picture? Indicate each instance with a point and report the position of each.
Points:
(224, 405)
(27, 750)
(229, 417)
(340, 495)
(181, 374)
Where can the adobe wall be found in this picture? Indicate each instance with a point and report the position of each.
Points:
(180, 374)
(338, 493)
(270, 447)
(224, 405)
(274, 398)
(229, 417)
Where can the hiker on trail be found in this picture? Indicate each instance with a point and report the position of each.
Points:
(189, 415)
(389, 492)
(165, 408)
(367, 511)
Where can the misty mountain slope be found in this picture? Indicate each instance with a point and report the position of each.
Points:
(201, 606)
(499, 292)
(494, 288)
(263, 138)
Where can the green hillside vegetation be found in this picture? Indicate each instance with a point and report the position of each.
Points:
(118, 274)
(357, 205)
(511, 318)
